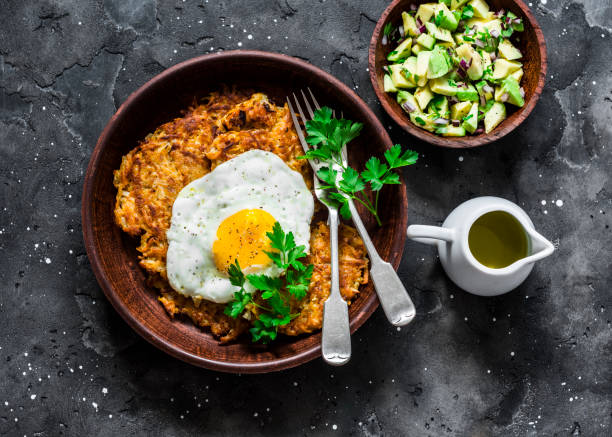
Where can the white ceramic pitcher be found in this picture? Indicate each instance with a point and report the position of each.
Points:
(457, 259)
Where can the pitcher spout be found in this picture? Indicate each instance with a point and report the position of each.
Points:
(540, 246)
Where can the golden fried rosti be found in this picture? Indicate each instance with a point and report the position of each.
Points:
(150, 177)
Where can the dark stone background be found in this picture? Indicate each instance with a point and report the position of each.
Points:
(535, 361)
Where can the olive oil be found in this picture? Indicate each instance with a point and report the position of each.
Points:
(497, 239)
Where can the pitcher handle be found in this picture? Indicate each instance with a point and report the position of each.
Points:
(430, 234)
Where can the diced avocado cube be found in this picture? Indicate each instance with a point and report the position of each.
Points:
(439, 63)
(426, 41)
(410, 25)
(422, 67)
(478, 22)
(486, 59)
(513, 89)
(468, 93)
(444, 18)
(438, 33)
(424, 121)
(464, 51)
(502, 68)
(399, 78)
(388, 84)
(460, 110)
(442, 86)
(451, 131)
(498, 94)
(480, 87)
(426, 11)
(445, 44)
(456, 4)
(439, 105)
(508, 51)
(402, 51)
(494, 116)
(459, 39)
(417, 48)
(494, 25)
(475, 69)
(423, 95)
(481, 8)
(406, 97)
(518, 75)
(470, 121)
(410, 64)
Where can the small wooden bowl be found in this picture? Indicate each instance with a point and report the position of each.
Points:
(532, 45)
(113, 254)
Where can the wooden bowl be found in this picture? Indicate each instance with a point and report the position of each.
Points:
(532, 45)
(113, 254)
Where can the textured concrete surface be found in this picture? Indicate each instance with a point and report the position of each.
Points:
(535, 361)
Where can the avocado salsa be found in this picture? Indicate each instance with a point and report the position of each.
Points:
(455, 68)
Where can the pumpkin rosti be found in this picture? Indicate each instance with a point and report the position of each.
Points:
(151, 176)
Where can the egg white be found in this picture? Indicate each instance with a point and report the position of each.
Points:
(253, 180)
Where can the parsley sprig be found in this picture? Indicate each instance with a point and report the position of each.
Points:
(328, 135)
(276, 292)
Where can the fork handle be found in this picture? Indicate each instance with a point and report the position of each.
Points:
(336, 336)
(392, 294)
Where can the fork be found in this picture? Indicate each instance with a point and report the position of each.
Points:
(336, 335)
(392, 294)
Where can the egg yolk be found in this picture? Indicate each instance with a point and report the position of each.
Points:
(242, 236)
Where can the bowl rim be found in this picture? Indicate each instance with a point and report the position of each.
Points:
(460, 142)
(94, 256)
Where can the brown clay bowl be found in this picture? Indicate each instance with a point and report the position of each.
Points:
(532, 45)
(113, 254)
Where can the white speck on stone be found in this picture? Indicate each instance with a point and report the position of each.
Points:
(239, 44)
(93, 404)
(295, 384)
(104, 390)
(32, 396)
(543, 202)
(545, 212)
(571, 399)
(249, 36)
(334, 427)
(511, 354)
(559, 203)
(460, 159)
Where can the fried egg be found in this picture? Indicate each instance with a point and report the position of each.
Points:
(224, 216)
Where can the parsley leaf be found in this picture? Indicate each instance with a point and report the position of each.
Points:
(236, 276)
(351, 181)
(328, 136)
(275, 310)
(373, 173)
(238, 304)
(396, 158)
(241, 298)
